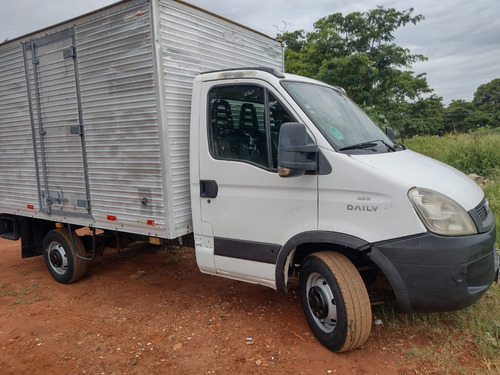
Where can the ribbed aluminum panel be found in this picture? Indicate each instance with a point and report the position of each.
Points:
(192, 42)
(136, 62)
(18, 188)
(119, 104)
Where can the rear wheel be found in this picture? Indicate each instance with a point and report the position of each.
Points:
(335, 301)
(60, 256)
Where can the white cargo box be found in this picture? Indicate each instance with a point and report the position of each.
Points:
(94, 113)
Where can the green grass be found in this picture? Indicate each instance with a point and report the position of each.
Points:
(19, 292)
(31, 299)
(476, 152)
(25, 296)
(32, 270)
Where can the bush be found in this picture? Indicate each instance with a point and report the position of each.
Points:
(477, 152)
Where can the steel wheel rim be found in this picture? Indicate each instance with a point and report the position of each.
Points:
(321, 302)
(57, 258)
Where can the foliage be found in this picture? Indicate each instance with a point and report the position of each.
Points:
(25, 296)
(358, 53)
(488, 95)
(455, 115)
(487, 100)
(462, 116)
(476, 152)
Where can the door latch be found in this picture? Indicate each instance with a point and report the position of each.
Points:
(208, 189)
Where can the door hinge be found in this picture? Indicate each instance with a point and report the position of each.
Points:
(69, 52)
(84, 203)
(76, 129)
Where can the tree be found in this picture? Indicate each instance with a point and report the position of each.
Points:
(488, 94)
(462, 116)
(487, 100)
(421, 117)
(455, 116)
(357, 53)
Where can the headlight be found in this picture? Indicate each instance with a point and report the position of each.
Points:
(441, 214)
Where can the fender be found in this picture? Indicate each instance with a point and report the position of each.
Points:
(394, 279)
(328, 237)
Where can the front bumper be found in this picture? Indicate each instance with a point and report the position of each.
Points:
(431, 273)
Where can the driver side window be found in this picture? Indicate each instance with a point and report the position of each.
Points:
(242, 128)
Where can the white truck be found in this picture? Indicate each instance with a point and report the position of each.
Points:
(144, 119)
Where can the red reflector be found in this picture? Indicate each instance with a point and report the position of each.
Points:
(151, 222)
(31, 207)
(111, 218)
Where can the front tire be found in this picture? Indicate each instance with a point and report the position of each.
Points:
(335, 301)
(60, 256)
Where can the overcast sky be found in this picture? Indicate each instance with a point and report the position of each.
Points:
(460, 38)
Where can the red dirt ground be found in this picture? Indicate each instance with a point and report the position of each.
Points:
(155, 313)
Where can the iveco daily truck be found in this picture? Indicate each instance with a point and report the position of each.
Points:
(146, 118)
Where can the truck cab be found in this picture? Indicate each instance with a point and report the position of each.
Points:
(288, 176)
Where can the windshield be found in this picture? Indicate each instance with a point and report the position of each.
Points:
(344, 124)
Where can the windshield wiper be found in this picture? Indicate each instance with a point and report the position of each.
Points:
(359, 146)
(363, 145)
(389, 147)
(399, 146)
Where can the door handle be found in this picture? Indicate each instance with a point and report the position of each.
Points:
(208, 189)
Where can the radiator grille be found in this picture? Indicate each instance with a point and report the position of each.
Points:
(482, 209)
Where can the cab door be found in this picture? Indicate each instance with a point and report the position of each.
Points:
(247, 211)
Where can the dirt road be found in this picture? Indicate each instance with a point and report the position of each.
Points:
(144, 312)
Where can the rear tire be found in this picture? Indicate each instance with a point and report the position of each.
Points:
(60, 256)
(335, 301)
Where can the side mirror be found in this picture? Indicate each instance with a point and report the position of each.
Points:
(390, 133)
(295, 154)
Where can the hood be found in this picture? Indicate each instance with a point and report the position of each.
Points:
(416, 170)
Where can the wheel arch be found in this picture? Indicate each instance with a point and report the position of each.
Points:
(305, 243)
(33, 231)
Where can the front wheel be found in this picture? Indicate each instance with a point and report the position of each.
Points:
(335, 301)
(60, 256)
